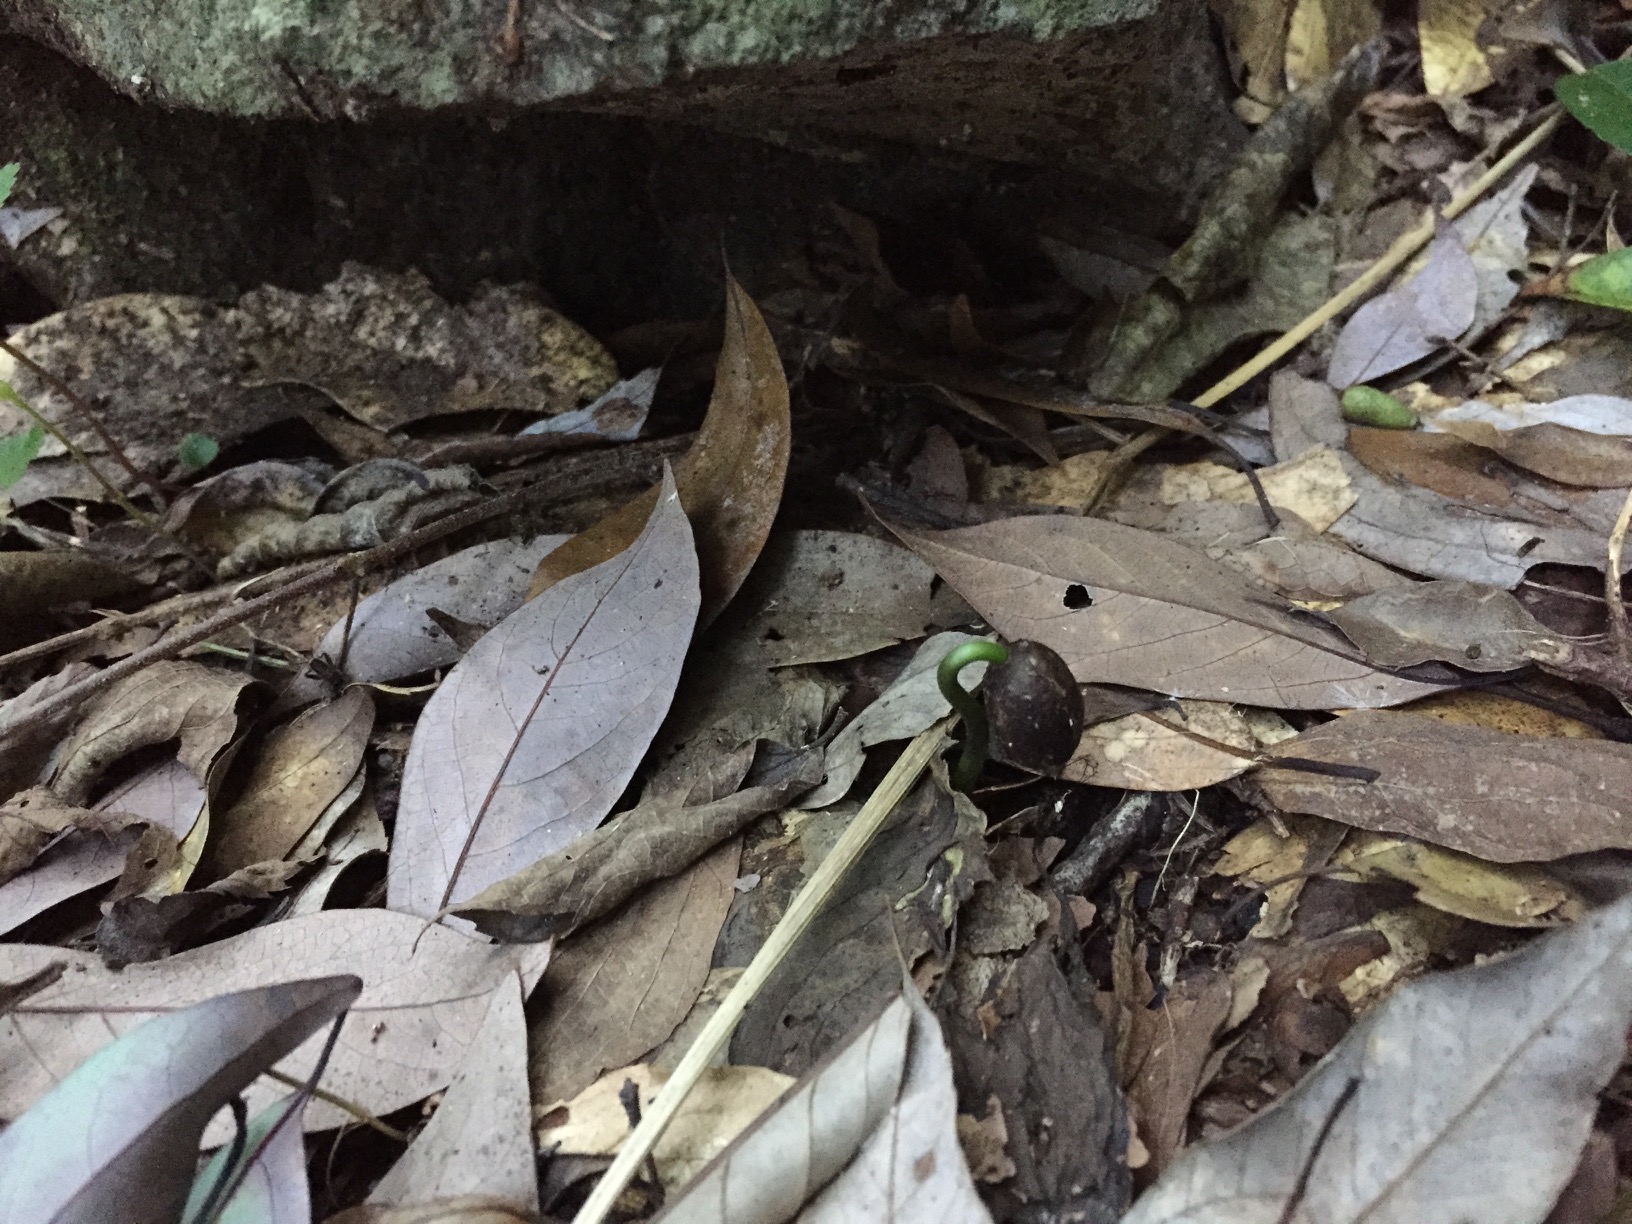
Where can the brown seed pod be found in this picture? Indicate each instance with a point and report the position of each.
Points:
(1034, 709)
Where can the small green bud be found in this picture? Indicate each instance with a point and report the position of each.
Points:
(1369, 406)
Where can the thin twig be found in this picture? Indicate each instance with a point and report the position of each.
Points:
(334, 571)
(80, 457)
(89, 417)
(804, 907)
(118, 622)
(342, 1103)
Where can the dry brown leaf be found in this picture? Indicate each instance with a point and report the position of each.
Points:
(604, 868)
(618, 989)
(1476, 627)
(1479, 708)
(425, 990)
(29, 742)
(1125, 606)
(725, 1100)
(389, 350)
(481, 1136)
(1498, 894)
(31, 582)
(1291, 558)
(29, 821)
(870, 1134)
(535, 733)
(730, 481)
(1569, 456)
(171, 699)
(1505, 798)
(391, 636)
(1434, 461)
(1410, 527)
(1150, 751)
(1259, 28)
(819, 596)
(1162, 1057)
(1279, 855)
(300, 769)
(166, 797)
(1453, 63)
(1313, 486)
(1489, 1127)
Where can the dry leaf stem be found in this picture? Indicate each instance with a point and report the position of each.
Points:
(334, 571)
(903, 775)
(339, 1102)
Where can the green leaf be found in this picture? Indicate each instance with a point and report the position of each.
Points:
(1369, 406)
(1601, 98)
(1604, 280)
(8, 180)
(16, 453)
(197, 450)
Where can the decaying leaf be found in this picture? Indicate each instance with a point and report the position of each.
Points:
(1313, 486)
(1502, 797)
(1408, 323)
(391, 636)
(177, 700)
(882, 1145)
(725, 1101)
(1569, 456)
(896, 906)
(730, 481)
(31, 820)
(1169, 749)
(533, 736)
(1467, 1095)
(617, 989)
(1125, 606)
(659, 837)
(1498, 894)
(1453, 63)
(481, 1137)
(909, 705)
(30, 740)
(817, 596)
(1291, 558)
(117, 1137)
(166, 797)
(1414, 529)
(389, 350)
(1478, 628)
(425, 990)
(299, 770)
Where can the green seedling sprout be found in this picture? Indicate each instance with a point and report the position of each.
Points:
(968, 707)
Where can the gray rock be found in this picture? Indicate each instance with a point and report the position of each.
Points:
(193, 165)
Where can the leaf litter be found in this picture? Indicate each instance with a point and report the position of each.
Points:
(540, 717)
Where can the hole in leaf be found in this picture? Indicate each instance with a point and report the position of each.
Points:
(1076, 596)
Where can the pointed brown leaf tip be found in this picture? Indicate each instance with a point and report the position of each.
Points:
(731, 479)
